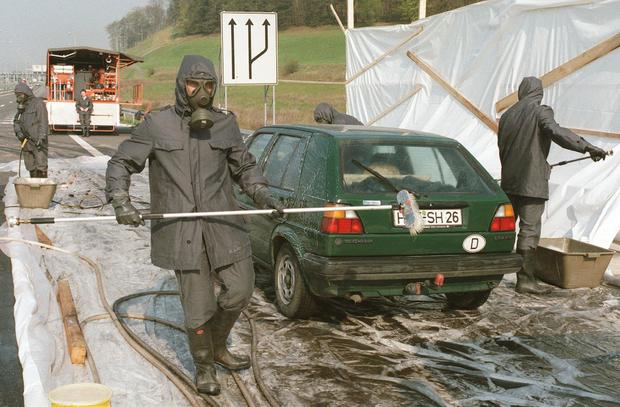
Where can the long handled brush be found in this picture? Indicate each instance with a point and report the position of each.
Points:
(406, 203)
(610, 152)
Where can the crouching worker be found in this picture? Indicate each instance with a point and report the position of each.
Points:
(324, 113)
(195, 153)
(31, 127)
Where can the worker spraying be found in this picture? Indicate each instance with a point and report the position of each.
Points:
(30, 126)
(525, 134)
(325, 113)
(195, 153)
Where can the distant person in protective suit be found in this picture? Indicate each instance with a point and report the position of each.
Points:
(195, 153)
(30, 123)
(326, 114)
(526, 131)
(84, 108)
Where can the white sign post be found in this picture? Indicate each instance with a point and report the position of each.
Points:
(249, 50)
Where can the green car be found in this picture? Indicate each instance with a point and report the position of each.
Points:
(463, 251)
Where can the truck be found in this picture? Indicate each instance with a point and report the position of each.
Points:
(97, 71)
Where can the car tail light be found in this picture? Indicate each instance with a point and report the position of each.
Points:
(341, 222)
(504, 219)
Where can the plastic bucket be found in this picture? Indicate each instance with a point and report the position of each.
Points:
(569, 263)
(35, 192)
(82, 395)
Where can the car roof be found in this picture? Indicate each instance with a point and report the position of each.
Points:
(347, 132)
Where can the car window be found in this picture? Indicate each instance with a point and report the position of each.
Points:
(419, 168)
(293, 172)
(258, 144)
(283, 165)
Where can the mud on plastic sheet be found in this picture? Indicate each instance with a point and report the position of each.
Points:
(560, 350)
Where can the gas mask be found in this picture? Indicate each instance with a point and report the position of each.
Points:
(200, 94)
(21, 98)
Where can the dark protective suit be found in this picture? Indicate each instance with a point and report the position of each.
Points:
(33, 125)
(193, 171)
(525, 134)
(325, 113)
(84, 115)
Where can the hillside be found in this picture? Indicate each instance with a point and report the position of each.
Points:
(318, 53)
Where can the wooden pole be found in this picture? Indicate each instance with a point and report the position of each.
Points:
(422, 9)
(350, 14)
(75, 339)
(592, 54)
(331, 6)
(402, 100)
(492, 124)
(385, 55)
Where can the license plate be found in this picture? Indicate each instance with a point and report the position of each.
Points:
(433, 218)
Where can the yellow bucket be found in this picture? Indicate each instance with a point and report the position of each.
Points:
(81, 395)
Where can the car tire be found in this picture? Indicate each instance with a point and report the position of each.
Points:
(293, 297)
(465, 301)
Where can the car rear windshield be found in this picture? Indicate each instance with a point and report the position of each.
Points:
(421, 168)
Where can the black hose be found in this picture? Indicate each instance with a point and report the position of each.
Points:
(255, 365)
(171, 367)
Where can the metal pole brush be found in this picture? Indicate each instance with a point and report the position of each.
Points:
(610, 153)
(406, 203)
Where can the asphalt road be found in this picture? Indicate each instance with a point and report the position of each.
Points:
(60, 146)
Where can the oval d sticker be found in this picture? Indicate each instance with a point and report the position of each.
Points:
(474, 243)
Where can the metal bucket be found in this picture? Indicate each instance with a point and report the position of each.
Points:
(35, 192)
(569, 263)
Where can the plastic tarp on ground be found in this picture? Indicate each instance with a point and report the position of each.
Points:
(484, 50)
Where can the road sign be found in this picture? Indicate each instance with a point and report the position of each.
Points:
(249, 48)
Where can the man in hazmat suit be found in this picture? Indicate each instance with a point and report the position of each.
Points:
(195, 153)
(30, 123)
(326, 114)
(525, 134)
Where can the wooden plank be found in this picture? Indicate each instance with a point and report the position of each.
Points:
(468, 104)
(601, 49)
(386, 54)
(402, 100)
(598, 133)
(75, 338)
(41, 236)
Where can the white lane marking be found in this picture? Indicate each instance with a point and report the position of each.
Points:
(2, 105)
(92, 150)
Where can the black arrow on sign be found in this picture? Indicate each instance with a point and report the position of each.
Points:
(232, 24)
(251, 59)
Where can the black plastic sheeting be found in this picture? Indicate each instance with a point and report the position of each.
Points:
(562, 349)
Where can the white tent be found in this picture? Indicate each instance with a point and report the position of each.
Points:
(481, 53)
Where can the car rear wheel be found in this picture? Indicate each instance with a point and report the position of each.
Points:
(293, 297)
(470, 300)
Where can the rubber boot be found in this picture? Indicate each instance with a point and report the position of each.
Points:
(526, 281)
(222, 323)
(34, 174)
(201, 347)
(87, 132)
(83, 131)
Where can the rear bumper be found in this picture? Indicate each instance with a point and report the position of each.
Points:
(396, 275)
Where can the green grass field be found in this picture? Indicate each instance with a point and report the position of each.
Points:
(319, 52)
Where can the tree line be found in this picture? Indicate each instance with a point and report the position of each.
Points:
(190, 17)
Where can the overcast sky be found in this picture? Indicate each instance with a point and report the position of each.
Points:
(29, 27)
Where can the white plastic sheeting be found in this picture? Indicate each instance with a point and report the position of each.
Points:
(484, 50)
(124, 255)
